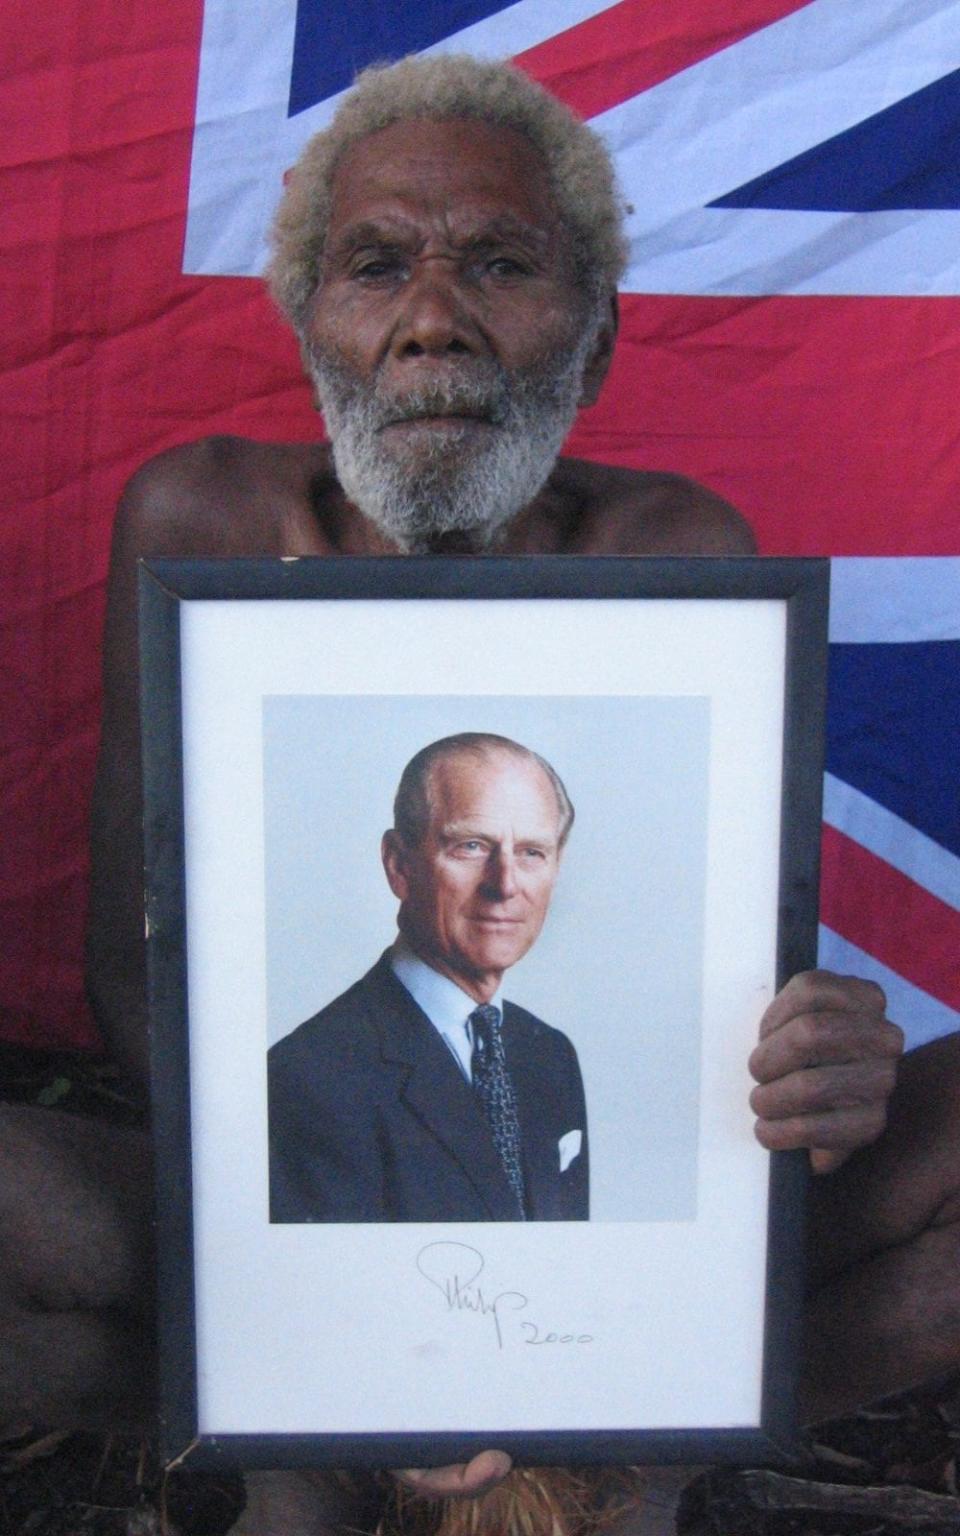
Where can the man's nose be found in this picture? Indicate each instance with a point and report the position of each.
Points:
(435, 320)
(502, 876)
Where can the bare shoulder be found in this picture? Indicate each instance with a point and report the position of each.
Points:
(219, 496)
(650, 512)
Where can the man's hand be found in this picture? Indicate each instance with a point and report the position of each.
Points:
(826, 1066)
(460, 1481)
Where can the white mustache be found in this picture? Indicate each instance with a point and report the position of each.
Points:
(481, 398)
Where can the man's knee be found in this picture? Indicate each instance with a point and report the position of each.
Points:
(920, 1153)
(74, 1212)
(925, 1111)
(908, 1182)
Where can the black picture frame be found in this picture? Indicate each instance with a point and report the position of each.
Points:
(202, 627)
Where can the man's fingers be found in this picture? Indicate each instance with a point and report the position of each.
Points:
(826, 1066)
(817, 1039)
(822, 991)
(462, 1480)
(826, 1160)
(842, 1131)
(826, 1090)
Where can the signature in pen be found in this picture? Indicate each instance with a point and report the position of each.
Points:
(454, 1270)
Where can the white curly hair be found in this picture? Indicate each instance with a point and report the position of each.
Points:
(452, 86)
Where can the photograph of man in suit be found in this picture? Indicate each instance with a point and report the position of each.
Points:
(420, 1094)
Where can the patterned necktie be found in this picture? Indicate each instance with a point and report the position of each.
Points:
(497, 1094)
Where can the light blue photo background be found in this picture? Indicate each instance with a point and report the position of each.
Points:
(618, 966)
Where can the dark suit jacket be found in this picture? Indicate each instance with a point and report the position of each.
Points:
(372, 1120)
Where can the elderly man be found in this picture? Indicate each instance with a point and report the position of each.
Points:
(448, 253)
(420, 1095)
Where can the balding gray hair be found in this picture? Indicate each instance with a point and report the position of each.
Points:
(412, 806)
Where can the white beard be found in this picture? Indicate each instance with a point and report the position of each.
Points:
(451, 482)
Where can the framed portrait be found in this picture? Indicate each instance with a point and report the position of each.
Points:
(468, 882)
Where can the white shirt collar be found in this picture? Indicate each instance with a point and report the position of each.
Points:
(445, 1004)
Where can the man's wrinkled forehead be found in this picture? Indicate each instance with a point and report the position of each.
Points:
(467, 230)
(479, 179)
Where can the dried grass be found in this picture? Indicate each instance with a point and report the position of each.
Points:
(540, 1501)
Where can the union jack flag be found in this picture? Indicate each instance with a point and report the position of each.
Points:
(790, 336)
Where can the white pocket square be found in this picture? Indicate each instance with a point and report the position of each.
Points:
(569, 1147)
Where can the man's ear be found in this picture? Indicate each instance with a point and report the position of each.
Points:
(394, 857)
(597, 364)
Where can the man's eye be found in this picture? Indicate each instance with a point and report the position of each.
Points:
(372, 269)
(470, 848)
(507, 266)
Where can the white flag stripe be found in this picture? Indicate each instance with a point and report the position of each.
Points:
(263, 37)
(756, 251)
(920, 1016)
(881, 599)
(780, 91)
(240, 145)
(892, 839)
(753, 106)
(519, 27)
(244, 141)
